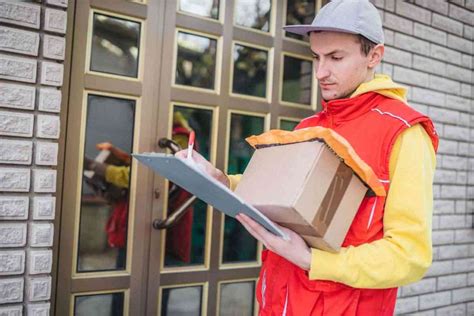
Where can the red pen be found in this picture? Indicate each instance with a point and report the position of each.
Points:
(191, 145)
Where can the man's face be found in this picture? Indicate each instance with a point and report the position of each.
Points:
(339, 63)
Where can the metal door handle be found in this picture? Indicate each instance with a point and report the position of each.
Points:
(171, 220)
(170, 144)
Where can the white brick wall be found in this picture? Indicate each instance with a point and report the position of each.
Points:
(429, 48)
(11, 290)
(32, 53)
(12, 310)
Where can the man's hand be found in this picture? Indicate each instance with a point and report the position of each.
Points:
(294, 249)
(205, 165)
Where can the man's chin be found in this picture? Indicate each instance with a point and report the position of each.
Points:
(330, 95)
(334, 95)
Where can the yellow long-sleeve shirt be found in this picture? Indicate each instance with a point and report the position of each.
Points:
(404, 253)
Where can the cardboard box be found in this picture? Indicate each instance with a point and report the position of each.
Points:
(306, 188)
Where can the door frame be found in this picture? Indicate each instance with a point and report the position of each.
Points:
(144, 90)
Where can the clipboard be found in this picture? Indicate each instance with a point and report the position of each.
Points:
(188, 176)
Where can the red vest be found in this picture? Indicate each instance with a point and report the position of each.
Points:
(371, 123)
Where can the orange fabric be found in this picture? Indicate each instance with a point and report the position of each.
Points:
(336, 142)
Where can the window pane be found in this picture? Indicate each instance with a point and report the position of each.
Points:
(101, 305)
(105, 185)
(185, 242)
(297, 79)
(115, 46)
(196, 64)
(237, 299)
(299, 12)
(250, 71)
(204, 8)
(239, 245)
(254, 14)
(181, 301)
(288, 125)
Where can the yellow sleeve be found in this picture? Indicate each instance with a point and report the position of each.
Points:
(404, 254)
(118, 176)
(234, 180)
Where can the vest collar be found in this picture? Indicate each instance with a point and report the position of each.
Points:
(342, 110)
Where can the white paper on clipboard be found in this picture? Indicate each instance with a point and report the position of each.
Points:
(188, 176)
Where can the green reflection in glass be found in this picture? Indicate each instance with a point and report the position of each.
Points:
(288, 125)
(254, 14)
(105, 186)
(204, 8)
(239, 245)
(185, 242)
(196, 63)
(297, 79)
(180, 301)
(115, 46)
(300, 12)
(237, 299)
(250, 71)
(110, 304)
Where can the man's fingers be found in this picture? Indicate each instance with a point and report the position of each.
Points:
(181, 154)
(248, 227)
(269, 237)
(251, 230)
(264, 236)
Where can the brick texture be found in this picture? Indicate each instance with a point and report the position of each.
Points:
(430, 49)
(32, 56)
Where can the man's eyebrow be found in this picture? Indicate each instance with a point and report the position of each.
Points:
(328, 54)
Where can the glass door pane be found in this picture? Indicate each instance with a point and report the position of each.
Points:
(105, 186)
(186, 241)
(115, 45)
(110, 304)
(182, 301)
(239, 245)
(202, 8)
(254, 14)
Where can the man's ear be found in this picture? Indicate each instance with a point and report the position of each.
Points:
(375, 55)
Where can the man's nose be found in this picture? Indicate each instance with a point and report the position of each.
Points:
(321, 70)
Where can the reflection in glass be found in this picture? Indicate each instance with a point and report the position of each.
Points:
(181, 301)
(254, 14)
(300, 12)
(250, 71)
(237, 299)
(185, 242)
(196, 64)
(288, 125)
(297, 79)
(239, 245)
(115, 46)
(204, 8)
(110, 304)
(105, 185)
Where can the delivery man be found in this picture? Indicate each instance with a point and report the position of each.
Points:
(389, 242)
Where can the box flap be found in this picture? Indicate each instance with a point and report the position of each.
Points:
(336, 142)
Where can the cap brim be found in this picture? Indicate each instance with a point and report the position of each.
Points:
(305, 29)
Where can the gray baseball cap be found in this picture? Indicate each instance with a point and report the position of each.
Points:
(348, 16)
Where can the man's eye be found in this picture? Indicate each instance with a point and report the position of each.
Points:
(336, 58)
